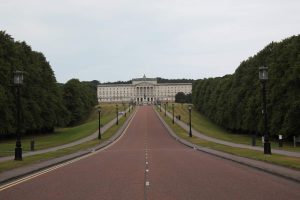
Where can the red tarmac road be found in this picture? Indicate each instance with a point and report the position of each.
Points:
(147, 163)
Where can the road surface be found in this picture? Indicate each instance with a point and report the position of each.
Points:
(147, 163)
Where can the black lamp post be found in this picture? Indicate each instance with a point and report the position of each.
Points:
(99, 117)
(263, 77)
(124, 109)
(165, 109)
(160, 107)
(117, 109)
(190, 120)
(173, 112)
(18, 81)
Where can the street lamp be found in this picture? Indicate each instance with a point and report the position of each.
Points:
(263, 77)
(160, 107)
(165, 109)
(173, 112)
(18, 81)
(117, 123)
(99, 117)
(124, 109)
(190, 117)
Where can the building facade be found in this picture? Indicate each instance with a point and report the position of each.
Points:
(141, 90)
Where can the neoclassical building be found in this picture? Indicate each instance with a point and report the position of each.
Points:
(141, 90)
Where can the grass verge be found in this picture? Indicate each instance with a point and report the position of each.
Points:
(12, 164)
(63, 135)
(203, 125)
(286, 161)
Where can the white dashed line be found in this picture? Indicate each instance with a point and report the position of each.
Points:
(147, 183)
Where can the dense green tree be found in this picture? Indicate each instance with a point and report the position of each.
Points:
(234, 101)
(79, 98)
(180, 97)
(45, 103)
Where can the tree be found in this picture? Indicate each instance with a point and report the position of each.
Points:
(180, 97)
(234, 101)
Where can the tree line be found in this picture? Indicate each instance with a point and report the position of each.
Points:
(45, 103)
(235, 101)
(181, 97)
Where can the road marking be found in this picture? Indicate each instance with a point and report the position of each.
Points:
(147, 183)
(45, 171)
(147, 170)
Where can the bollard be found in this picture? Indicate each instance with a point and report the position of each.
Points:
(32, 145)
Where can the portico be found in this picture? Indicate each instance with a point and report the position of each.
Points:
(141, 90)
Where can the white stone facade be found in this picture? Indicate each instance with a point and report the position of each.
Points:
(142, 90)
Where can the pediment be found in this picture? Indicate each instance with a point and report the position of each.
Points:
(144, 84)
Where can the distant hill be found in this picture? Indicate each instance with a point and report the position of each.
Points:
(234, 101)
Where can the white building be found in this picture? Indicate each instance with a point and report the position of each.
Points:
(141, 90)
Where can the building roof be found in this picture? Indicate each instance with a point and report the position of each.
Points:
(144, 79)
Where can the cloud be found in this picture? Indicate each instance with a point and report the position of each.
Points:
(122, 39)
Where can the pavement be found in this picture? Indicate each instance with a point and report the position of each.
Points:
(146, 162)
(77, 142)
(231, 144)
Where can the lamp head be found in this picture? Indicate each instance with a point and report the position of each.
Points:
(18, 77)
(263, 73)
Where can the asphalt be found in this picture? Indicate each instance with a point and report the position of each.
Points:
(146, 162)
(231, 144)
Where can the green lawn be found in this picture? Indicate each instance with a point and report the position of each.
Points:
(8, 165)
(286, 161)
(207, 127)
(64, 135)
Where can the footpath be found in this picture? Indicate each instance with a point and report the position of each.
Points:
(277, 170)
(82, 140)
(46, 165)
(231, 144)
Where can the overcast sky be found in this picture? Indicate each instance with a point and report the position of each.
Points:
(110, 40)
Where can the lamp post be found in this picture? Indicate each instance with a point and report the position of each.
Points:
(99, 117)
(263, 76)
(190, 120)
(124, 109)
(173, 112)
(18, 81)
(160, 107)
(117, 109)
(165, 109)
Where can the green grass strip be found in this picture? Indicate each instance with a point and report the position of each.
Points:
(12, 164)
(205, 126)
(63, 136)
(286, 161)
